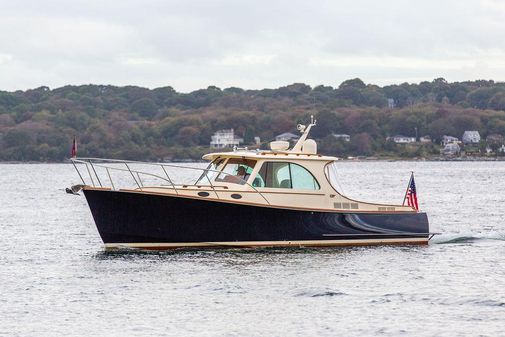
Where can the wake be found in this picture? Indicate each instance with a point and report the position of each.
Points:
(467, 238)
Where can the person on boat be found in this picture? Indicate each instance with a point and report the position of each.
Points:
(242, 175)
(236, 171)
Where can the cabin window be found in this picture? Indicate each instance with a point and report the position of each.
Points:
(236, 170)
(331, 174)
(285, 175)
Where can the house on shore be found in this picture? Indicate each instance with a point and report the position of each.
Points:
(399, 139)
(471, 137)
(287, 136)
(342, 136)
(495, 139)
(225, 138)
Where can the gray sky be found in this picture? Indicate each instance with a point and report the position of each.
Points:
(250, 44)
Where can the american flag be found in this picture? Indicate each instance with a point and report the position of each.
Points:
(411, 195)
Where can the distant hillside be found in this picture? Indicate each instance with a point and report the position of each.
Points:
(161, 124)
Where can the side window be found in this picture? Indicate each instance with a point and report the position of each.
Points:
(302, 179)
(285, 175)
(281, 175)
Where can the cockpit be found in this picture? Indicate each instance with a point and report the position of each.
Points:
(228, 170)
(271, 174)
(236, 170)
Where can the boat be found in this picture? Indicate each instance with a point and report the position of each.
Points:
(282, 197)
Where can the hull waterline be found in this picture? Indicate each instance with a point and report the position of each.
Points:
(149, 221)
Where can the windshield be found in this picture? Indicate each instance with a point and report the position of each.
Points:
(209, 175)
(237, 171)
(331, 173)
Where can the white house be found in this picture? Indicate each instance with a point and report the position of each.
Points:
(342, 136)
(471, 137)
(287, 136)
(225, 138)
(449, 140)
(403, 139)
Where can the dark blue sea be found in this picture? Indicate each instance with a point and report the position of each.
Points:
(57, 280)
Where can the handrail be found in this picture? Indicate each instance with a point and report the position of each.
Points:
(96, 175)
(212, 186)
(78, 160)
(79, 173)
(90, 176)
(89, 160)
(110, 178)
(133, 176)
(170, 180)
(132, 171)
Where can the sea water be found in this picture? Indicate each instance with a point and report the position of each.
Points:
(57, 280)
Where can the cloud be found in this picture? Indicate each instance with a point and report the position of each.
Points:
(193, 44)
(4, 58)
(244, 60)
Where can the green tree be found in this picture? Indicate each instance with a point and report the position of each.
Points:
(327, 123)
(353, 83)
(480, 98)
(145, 107)
(497, 101)
(361, 144)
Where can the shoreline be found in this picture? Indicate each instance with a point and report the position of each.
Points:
(356, 159)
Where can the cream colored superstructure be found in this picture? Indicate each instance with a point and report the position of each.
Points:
(304, 154)
(326, 198)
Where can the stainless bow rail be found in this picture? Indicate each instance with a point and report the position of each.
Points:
(92, 163)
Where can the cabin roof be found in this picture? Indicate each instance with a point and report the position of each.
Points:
(291, 156)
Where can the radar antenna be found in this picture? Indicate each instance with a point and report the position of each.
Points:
(305, 132)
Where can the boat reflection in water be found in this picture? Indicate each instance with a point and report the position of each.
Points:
(281, 197)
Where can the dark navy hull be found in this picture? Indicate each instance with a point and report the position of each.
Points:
(157, 221)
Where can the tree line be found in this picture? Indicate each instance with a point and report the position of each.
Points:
(132, 122)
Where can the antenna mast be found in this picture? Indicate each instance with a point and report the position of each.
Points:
(305, 132)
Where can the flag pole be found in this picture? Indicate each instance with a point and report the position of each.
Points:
(73, 151)
(408, 186)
